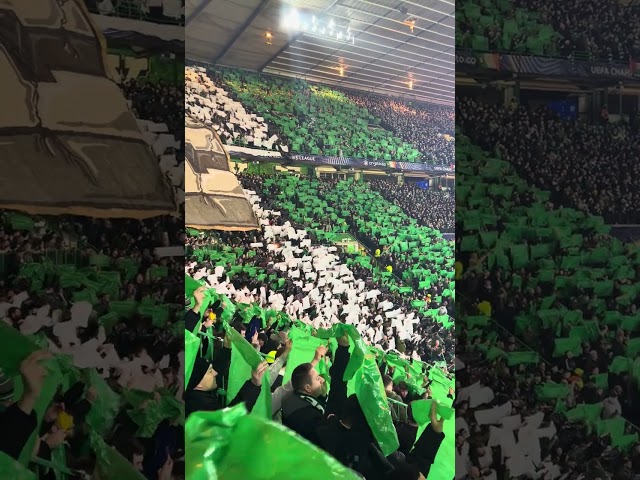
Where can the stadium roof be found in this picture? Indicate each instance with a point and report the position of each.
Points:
(398, 48)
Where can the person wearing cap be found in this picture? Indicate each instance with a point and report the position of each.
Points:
(200, 392)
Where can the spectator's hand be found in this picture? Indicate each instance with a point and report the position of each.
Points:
(258, 373)
(33, 371)
(199, 297)
(92, 395)
(55, 438)
(164, 473)
(254, 340)
(288, 345)
(227, 341)
(343, 341)
(321, 351)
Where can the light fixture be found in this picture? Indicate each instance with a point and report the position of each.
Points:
(410, 22)
(410, 84)
(269, 37)
(294, 21)
(341, 71)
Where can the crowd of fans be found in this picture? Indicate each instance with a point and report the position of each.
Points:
(430, 128)
(262, 268)
(66, 310)
(100, 304)
(602, 30)
(548, 385)
(430, 341)
(303, 118)
(588, 167)
(433, 208)
(157, 103)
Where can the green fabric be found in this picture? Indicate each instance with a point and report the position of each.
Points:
(217, 444)
(110, 464)
(245, 359)
(13, 469)
(357, 348)
(302, 351)
(105, 408)
(368, 387)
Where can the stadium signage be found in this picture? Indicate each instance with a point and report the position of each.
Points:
(262, 155)
(377, 165)
(369, 163)
(610, 71)
(466, 59)
(547, 66)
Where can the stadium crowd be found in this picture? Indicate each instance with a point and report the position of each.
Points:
(588, 167)
(388, 337)
(91, 309)
(157, 103)
(603, 31)
(549, 381)
(262, 268)
(423, 126)
(434, 208)
(606, 30)
(261, 111)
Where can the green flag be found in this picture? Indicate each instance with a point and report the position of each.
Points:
(303, 349)
(245, 359)
(217, 444)
(368, 387)
(13, 469)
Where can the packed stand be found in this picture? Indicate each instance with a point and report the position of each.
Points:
(587, 167)
(91, 299)
(160, 103)
(296, 301)
(156, 11)
(429, 128)
(597, 30)
(554, 279)
(432, 208)
(411, 258)
(212, 105)
(159, 108)
(96, 302)
(252, 267)
(300, 117)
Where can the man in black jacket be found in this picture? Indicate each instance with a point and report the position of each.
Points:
(307, 409)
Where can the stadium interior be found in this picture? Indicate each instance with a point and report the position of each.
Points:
(330, 175)
(337, 118)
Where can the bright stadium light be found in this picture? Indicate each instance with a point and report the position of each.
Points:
(295, 21)
(291, 21)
